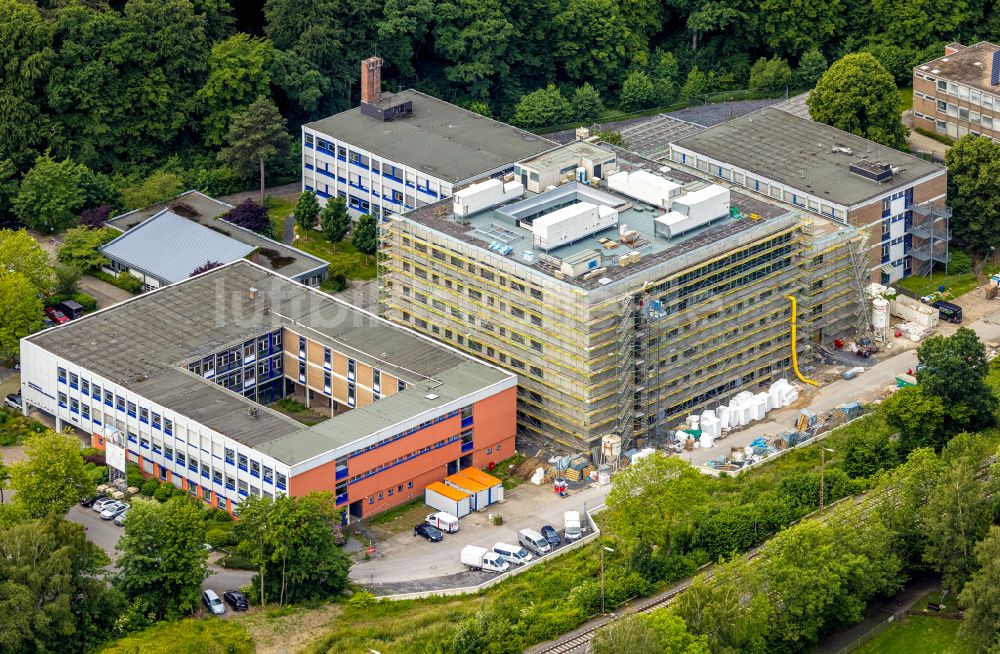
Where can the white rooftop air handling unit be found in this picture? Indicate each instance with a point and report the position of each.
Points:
(693, 210)
(484, 195)
(645, 187)
(571, 223)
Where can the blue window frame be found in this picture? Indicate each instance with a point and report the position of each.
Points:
(74, 380)
(131, 409)
(61, 374)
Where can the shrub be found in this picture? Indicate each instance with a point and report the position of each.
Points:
(960, 262)
(219, 537)
(133, 476)
(637, 92)
(552, 624)
(163, 492)
(128, 282)
(149, 487)
(361, 600)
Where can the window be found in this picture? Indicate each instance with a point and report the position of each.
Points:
(181, 459)
(85, 412)
(230, 483)
(144, 443)
(400, 385)
(327, 357)
(156, 420)
(268, 475)
(61, 374)
(96, 394)
(119, 403)
(85, 387)
(351, 369)
(168, 426)
(144, 415)
(230, 455)
(351, 397)
(74, 405)
(302, 347)
(255, 468)
(242, 465)
(131, 409)
(205, 470)
(168, 452)
(409, 484)
(282, 482)
(376, 380)
(302, 371)
(242, 485)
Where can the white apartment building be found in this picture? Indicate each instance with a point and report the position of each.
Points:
(399, 151)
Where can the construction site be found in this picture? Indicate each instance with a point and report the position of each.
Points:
(624, 294)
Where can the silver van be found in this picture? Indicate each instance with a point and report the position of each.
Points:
(512, 553)
(534, 541)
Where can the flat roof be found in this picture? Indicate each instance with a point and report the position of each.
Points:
(571, 153)
(440, 139)
(500, 225)
(799, 153)
(146, 343)
(483, 478)
(447, 491)
(208, 211)
(652, 136)
(170, 247)
(960, 67)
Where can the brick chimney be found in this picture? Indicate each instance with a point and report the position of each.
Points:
(371, 80)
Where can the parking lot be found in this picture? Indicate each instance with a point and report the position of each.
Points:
(412, 564)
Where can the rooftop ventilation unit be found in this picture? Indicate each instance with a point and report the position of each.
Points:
(571, 223)
(484, 195)
(876, 171)
(644, 186)
(842, 149)
(693, 210)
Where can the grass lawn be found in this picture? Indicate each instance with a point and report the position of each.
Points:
(342, 256)
(298, 411)
(906, 95)
(954, 285)
(918, 635)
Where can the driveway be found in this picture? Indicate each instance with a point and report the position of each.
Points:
(106, 294)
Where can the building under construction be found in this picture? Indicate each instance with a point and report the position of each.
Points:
(623, 294)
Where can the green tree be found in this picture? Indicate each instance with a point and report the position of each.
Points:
(917, 416)
(542, 108)
(954, 368)
(473, 38)
(980, 598)
(812, 65)
(869, 451)
(486, 632)
(80, 247)
(637, 92)
(158, 187)
(770, 75)
(587, 104)
(8, 185)
(52, 591)
(190, 635)
(255, 137)
(238, 74)
(794, 26)
(162, 560)
(21, 253)
(910, 485)
(656, 500)
(365, 236)
(481, 108)
(21, 310)
(673, 634)
(67, 279)
(591, 40)
(696, 84)
(859, 96)
(973, 184)
(666, 79)
(293, 543)
(334, 220)
(52, 477)
(51, 194)
(305, 211)
(956, 515)
(630, 634)
(27, 56)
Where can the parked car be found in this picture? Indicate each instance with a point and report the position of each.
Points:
(480, 558)
(102, 502)
(551, 535)
(208, 548)
(433, 534)
(56, 316)
(13, 401)
(513, 553)
(534, 542)
(71, 308)
(113, 510)
(236, 599)
(212, 602)
(89, 501)
(443, 521)
(47, 322)
(120, 518)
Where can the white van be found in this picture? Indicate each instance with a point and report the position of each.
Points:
(534, 541)
(444, 521)
(512, 553)
(571, 521)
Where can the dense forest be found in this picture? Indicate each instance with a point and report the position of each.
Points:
(124, 90)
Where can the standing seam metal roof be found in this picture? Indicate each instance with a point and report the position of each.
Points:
(170, 247)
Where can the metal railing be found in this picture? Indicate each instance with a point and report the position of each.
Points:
(872, 633)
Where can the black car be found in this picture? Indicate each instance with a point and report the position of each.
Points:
(551, 535)
(89, 501)
(236, 599)
(430, 533)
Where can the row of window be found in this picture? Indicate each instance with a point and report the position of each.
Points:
(962, 92)
(93, 390)
(465, 412)
(467, 434)
(186, 460)
(386, 169)
(458, 261)
(381, 494)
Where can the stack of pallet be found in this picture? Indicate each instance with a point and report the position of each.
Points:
(571, 475)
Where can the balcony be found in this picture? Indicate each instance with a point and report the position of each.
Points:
(926, 253)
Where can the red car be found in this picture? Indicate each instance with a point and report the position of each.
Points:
(56, 316)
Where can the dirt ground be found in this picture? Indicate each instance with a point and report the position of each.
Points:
(280, 632)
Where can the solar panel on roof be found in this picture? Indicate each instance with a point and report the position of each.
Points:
(995, 70)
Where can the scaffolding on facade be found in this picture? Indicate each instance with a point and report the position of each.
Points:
(383, 265)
